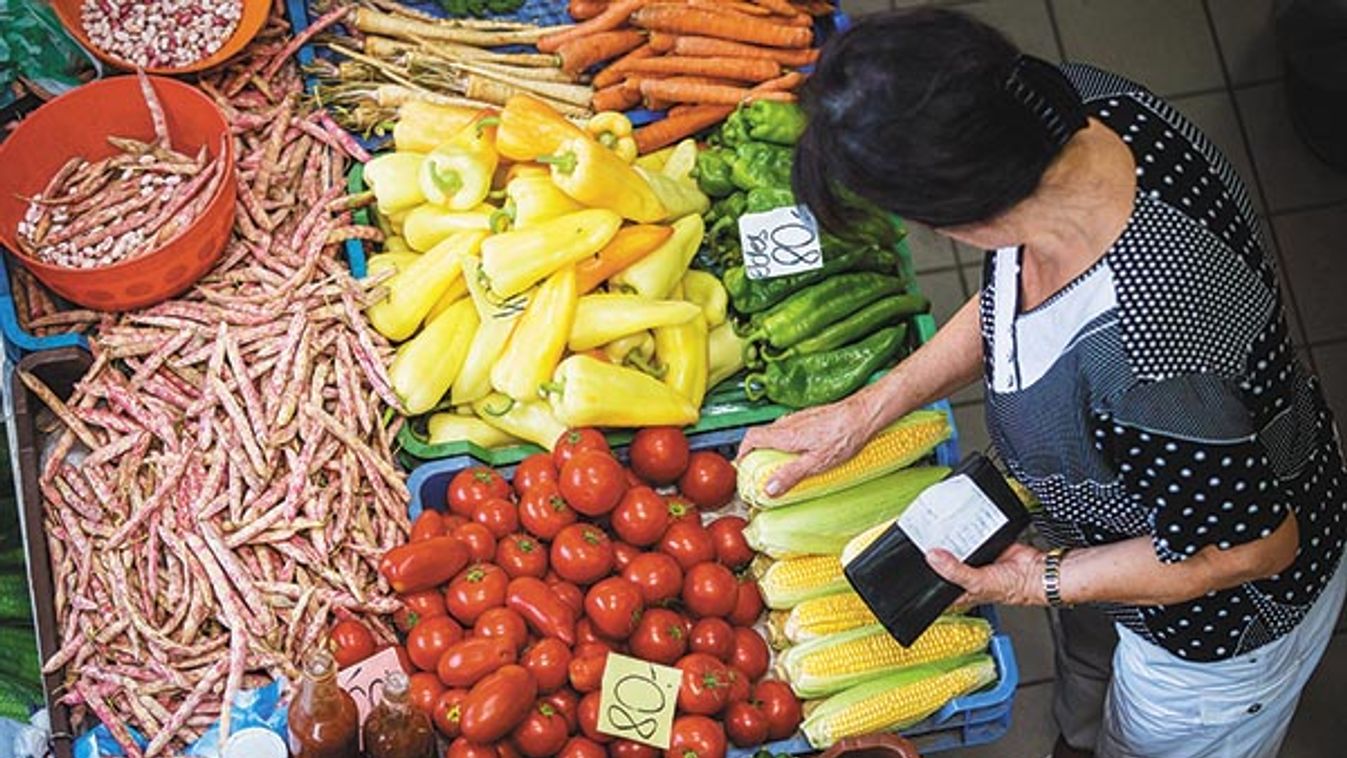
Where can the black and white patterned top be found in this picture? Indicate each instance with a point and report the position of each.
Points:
(1158, 394)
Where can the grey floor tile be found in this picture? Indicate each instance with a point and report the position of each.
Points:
(862, 7)
(1025, 22)
(1331, 361)
(1031, 729)
(1315, 268)
(1245, 33)
(972, 278)
(1316, 729)
(1214, 114)
(1164, 44)
(930, 251)
(969, 255)
(971, 422)
(1290, 174)
(1029, 630)
(945, 291)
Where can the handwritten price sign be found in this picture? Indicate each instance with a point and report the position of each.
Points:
(364, 681)
(637, 700)
(779, 242)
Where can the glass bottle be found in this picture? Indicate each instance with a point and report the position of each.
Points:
(323, 719)
(396, 728)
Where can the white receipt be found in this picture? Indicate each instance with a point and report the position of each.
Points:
(953, 515)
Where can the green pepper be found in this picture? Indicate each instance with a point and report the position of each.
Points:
(867, 320)
(760, 164)
(722, 229)
(713, 172)
(771, 121)
(819, 378)
(755, 295)
(735, 130)
(809, 311)
(766, 198)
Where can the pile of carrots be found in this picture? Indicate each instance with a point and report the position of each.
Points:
(695, 59)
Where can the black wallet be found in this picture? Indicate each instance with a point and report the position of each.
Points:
(973, 513)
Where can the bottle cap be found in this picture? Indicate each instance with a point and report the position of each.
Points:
(255, 742)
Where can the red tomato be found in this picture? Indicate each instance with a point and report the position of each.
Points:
(588, 714)
(352, 642)
(586, 672)
(596, 647)
(479, 541)
(544, 610)
(533, 470)
(614, 605)
(521, 555)
(548, 660)
(709, 589)
(429, 524)
(747, 602)
(582, 747)
(543, 511)
(632, 479)
(473, 485)
(727, 534)
(660, 637)
(689, 543)
(498, 515)
(629, 749)
(571, 596)
(706, 684)
(712, 636)
(623, 555)
(586, 633)
(582, 553)
(740, 685)
(567, 703)
(542, 732)
(746, 724)
(453, 521)
(658, 575)
(496, 704)
(592, 482)
(479, 587)
(708, 481)
(680, 509)
(696, 737)
(574, 440)
(503, 623)
(641, 516)
(466, 662)
(659, 454)
(425, 690)
(429, 639)
(462, 748)
(448, 710)
(417, 606)
(404, 660)
(781, 706)
(750, 654)
(506, 749)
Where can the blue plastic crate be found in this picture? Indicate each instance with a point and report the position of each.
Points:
(18, 342)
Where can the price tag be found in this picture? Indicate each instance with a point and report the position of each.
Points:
(779, 242)
(953, 515)
(637, 700)
(365, 680)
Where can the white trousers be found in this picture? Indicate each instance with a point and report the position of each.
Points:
(1161, 706)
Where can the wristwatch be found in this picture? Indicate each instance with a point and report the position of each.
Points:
(1052, 576)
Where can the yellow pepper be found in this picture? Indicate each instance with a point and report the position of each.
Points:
(673, 183)
(498, 323)
(415, 288)
(457, 290)
(457, 175)
(444, 428)
(425, 366)
(602, 318)
(393, 177)
(422, 126)
(638, 347)
(539, 339)
(426, 225)
(613, 131)
(680, 162)
(395, 219)
(586, 391)
(388, 261)
(532, 198)
(530, 128)
(596, 177)
(530, 420)
(655, 275)
(514, 261)
(656, 160)
(681, 350)
(396, 244)
(706, 291)
(724, 354)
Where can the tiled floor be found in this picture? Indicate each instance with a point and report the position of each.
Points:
(1217, 61)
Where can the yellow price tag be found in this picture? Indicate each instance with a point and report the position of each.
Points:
(638, 699)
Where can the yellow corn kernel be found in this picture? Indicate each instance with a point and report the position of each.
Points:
(786, 583)
(825, 615)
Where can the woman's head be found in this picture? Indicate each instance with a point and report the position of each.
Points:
(932, 115)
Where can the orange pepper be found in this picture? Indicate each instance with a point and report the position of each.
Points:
(530, 128)
(629, 245)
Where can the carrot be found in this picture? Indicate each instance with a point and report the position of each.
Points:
(583, 10)
(652, 137)
(777, 7)
(655, 104)
(615, 98)
(612, 17)
(680, 109)
(613, 72)
(581, 53)
(680, 19)
(682, 90)
(800, 20)
(748, 9)
(630, 244)
(738, 69)
(787, 82)
(710, 47)
(661, 42)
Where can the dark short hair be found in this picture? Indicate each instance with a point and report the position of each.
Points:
(911, 111)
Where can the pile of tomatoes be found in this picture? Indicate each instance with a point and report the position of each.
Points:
(516, 593)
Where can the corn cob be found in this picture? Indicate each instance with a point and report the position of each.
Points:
(822, 616)
(787, 583)
(831, 664)
(823, 526)
(902, 443)
(857, 545)
(897, 700)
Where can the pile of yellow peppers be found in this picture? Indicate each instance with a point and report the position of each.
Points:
(537, 275)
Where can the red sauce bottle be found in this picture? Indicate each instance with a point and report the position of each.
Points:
(396, 728)
(324, 722)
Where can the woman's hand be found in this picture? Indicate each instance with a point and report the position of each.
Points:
(823, 436)
(1015, 578)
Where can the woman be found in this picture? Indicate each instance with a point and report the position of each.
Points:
(1139, 377)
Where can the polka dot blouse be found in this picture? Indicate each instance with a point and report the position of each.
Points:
(1158, 393)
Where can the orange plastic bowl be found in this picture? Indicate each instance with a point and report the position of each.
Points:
(78, 123)
(254, 16)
